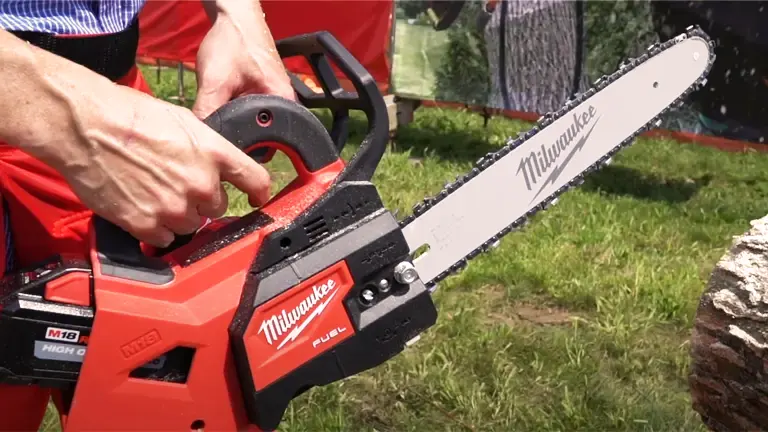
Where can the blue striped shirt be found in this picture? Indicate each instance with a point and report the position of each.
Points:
(69, 17)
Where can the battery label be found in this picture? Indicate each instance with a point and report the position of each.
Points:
(76, 353)
(59, 351)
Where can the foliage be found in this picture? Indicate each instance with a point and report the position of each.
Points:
(616, 30)
(463, 76)
(414, 10)
(409, 8)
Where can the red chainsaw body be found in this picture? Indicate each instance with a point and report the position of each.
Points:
(222, 330)
(136, 323)
(316, 302)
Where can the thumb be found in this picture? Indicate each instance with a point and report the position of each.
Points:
(244, 173)
(209, 99)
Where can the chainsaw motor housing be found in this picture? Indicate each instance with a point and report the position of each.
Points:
(225, 328)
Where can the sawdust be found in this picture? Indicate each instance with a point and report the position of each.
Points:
(533, 315)
(543, 316)
(521, 312)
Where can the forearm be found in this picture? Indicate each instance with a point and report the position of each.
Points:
(246, 16)
(244, 10)
(45, 98)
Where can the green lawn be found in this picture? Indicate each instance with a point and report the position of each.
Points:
(578, 323)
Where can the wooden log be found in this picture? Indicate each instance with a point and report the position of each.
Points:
(729, 343)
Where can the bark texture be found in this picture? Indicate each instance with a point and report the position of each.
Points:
(729, 343)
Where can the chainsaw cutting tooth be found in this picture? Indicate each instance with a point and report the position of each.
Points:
(413, 340)
(459, 266)
(545, 119)
(547, 204)
(419, 207)
(476, 252)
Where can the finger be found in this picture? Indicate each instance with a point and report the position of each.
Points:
(287, 92)
(245, 174)
(216, 206)
(277, 82)
(209, 99)
(186, 223)
(159, 237)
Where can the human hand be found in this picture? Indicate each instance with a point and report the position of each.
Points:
(149, 166)
(153, 168)
(237, 57)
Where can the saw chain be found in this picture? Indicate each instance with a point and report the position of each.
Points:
(489, 159)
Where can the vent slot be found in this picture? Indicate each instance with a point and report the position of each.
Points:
(316, 229)
(173, 366)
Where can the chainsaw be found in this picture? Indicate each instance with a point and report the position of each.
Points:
(226, 328)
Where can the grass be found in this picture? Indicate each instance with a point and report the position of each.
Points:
(419, 51)
(578, 323)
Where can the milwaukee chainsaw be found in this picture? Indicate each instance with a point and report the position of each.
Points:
(224, 329)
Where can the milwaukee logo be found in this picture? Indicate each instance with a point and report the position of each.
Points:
(293, 322)
(553, 159)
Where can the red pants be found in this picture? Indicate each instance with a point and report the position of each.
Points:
(45, 218)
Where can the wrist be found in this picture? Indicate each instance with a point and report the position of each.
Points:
(234, 11)
(50, 103)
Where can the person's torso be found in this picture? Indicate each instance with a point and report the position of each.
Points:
(102, 35)
(69, 17)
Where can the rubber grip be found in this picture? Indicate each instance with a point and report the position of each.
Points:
(253, 119)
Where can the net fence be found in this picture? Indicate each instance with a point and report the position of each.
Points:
(532, 55)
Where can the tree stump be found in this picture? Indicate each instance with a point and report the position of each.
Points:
(729, 343)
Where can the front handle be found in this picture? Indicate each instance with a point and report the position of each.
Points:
(321, 50)
(252, 123)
